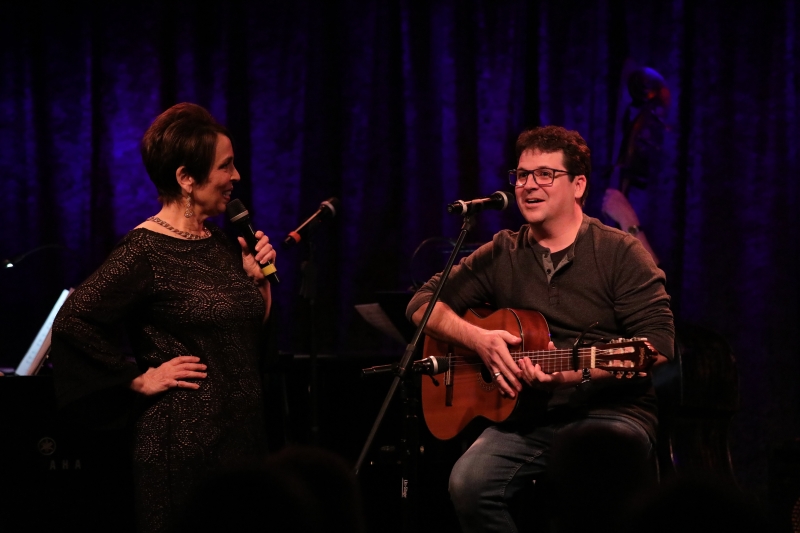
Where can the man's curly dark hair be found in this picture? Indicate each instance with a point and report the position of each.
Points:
(549, 139)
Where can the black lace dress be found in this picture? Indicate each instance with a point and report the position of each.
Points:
(173, 297)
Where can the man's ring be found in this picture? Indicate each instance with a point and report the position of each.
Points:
(497, 375)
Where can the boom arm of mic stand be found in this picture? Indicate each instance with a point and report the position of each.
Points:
(405, 363)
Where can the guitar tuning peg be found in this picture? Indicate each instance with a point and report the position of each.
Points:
(629, 374)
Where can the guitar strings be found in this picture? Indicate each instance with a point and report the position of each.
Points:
(549, 355)
(561, 352)
(557, 359)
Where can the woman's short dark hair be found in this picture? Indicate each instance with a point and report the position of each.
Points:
(183, 135)
(549, 139)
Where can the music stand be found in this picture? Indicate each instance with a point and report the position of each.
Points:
(40, 347)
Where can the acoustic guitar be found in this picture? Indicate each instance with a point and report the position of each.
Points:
(468, 390)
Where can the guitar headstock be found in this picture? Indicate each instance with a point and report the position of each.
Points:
(625, 357)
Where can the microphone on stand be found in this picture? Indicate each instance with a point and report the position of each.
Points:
(14, 261)
(327, 209)
(498, 201)
(431, 366)
(239, 216)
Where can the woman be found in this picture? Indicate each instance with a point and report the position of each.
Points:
(193, 305)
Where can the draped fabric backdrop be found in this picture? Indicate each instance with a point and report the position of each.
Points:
(398, 108)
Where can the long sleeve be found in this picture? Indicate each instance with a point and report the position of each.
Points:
(86, 348)
(641, 303)
(469, 285)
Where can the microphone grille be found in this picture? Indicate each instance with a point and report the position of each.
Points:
(331, 205)
(236, 210)
(502, 196)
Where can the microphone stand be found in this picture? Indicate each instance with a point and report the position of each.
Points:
(308, 291)
(409, 449)
(14, 261)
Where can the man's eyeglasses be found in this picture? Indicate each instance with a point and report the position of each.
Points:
(543, 177)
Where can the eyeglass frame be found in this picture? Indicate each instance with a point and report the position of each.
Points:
(513, 174)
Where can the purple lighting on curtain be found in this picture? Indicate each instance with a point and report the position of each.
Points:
(399, 108)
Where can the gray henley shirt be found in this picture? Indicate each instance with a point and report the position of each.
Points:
(606, 276)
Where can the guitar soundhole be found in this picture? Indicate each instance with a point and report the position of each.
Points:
(486, 380)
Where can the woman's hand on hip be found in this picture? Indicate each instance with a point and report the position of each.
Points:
(170, 375)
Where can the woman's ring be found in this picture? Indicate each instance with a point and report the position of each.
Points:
(497, 375)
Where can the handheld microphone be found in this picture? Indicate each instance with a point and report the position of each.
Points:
(327, 209)
(498, 200)
(239, 216)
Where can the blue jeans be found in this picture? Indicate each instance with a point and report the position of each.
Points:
(581, 457)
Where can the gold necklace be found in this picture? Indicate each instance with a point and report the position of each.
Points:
(185, 234)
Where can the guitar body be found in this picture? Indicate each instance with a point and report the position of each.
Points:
(468, 390)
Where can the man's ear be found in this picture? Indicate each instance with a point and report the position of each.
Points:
(580, 186)
(185, 181)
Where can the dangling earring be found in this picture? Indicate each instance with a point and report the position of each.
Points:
(188, 213)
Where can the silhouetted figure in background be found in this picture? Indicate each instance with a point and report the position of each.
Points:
(299, 489)
(643, 130)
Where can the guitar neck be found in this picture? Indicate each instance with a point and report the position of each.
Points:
(558, 360)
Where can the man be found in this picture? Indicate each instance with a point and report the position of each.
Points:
(575, 271)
